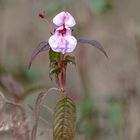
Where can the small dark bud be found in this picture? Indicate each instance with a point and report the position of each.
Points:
(42, 14)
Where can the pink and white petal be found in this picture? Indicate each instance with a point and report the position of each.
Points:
(64, 18)
(62, 45)
(69, 20)
(53, 41)
(58, 43)
(71, 43)
(59, 19)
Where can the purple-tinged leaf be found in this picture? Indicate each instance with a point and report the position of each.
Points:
(64, 120)
(93, 43)
(43, 46)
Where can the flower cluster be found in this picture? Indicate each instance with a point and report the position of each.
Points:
(62, 39)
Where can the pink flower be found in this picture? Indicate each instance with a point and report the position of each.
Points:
(64, 18)
(62, 40)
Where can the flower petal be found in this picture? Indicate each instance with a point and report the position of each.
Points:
(70, 21)
(64, 18)
(62, 44)
(53, 41)
(71, 43)
(58, 43)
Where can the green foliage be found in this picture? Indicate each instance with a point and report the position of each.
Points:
(64, 120)
(54, 56)
(54, 63)
(100, 6)
(54, 70)
(55, 67)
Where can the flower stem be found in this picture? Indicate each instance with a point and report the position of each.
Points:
(63, 76)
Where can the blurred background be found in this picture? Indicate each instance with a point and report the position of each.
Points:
(106, 91)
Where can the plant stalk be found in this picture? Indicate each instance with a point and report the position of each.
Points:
(63, 76)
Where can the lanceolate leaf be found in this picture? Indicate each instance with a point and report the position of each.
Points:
(54, 63)
(43, 46)
(93, 43)
(64, 120)
(54, 70)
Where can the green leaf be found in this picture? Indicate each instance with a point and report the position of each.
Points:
(54, 56)
(64, 120)
(54, 65)
(54, 70)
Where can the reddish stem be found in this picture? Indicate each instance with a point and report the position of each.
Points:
(63, 76)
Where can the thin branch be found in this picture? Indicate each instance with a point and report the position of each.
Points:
(38, 101)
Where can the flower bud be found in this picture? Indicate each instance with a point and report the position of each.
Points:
(42, 14)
